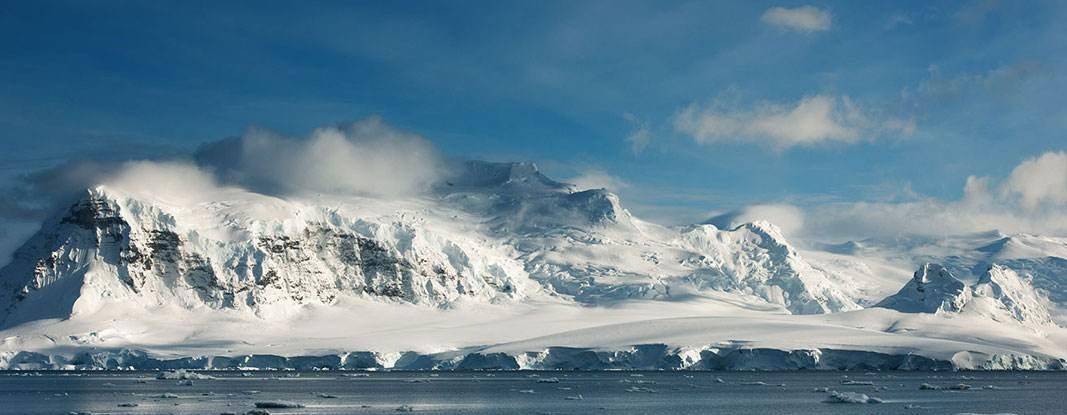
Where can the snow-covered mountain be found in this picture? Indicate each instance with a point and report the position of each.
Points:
(1039, 260)
(1001, 294)
(494, 233)
(933, 289)
(496, 247)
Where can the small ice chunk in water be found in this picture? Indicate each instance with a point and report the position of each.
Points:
(548, 380)
(182, 374)
(850, 397)
(405, 408)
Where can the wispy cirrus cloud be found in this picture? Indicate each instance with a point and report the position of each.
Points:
(640, 136)
(800, 19)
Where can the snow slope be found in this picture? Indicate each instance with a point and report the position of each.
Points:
(498, 264)
(1039, 260)
(933, 289)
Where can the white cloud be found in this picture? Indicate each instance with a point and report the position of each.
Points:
(366, 157)
(1040, 181)
(172, 182)
(812, 120)
(1032, 199)
(640, 136)
(597, 179)
(898, 19)
(801, 19)
(788, 218)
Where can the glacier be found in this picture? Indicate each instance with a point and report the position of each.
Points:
(501, 267)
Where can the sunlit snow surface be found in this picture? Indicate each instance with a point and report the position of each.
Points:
(504, 262)
(520, 392)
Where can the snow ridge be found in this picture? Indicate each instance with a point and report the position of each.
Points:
(755, 258)
(932, 289)
(1000, 294)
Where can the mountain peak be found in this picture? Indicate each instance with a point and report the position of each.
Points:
(475, 175)
(932, 289)
(1000, 294)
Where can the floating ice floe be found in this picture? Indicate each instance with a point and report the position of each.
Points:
(851, 397)
(182, 374)
(957, 387)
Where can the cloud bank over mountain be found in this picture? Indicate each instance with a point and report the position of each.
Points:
(1032, 199)
(372, 158)
(366, 157)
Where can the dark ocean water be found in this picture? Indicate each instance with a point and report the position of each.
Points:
(671, 393)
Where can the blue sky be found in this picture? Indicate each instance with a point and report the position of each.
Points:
(686, 108)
